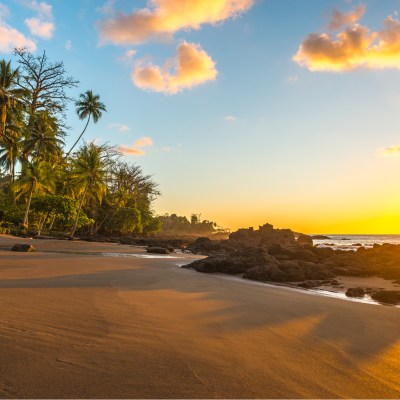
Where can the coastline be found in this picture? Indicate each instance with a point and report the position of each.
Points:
(77, 325)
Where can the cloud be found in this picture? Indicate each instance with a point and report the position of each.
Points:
(144, 141)
(230, 118)
(10, 38)
(390, 151)
(130, 151)
(119, 127)
(136, 149)
(292, 80)
(44, 9)
(42, 25)
(192, 66)
(40, 28)
(128, 55)
(68, 44)
(107, 7)
(340, 19)
(354, 47)
(4, 11)
(162, 18)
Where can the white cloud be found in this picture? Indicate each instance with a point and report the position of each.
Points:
(40, 28)
(144, 141)
(4, 11)
(230, 118)
(41, 25)
(68, 44)
(107, 8)
(10, 38)
(192, 66)
(119, 127)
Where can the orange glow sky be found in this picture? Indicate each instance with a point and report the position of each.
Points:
(246, 111)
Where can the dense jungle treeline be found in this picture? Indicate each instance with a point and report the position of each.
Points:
(46, 188)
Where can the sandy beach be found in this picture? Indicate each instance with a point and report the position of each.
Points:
(77, 324)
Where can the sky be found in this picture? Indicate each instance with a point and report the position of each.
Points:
(246, 111)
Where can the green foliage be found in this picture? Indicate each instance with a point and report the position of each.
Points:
(181, 225)
(90, 191)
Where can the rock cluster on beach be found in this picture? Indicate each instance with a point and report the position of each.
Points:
(274, 255)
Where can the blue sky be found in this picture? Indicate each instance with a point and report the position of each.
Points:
(259, 137)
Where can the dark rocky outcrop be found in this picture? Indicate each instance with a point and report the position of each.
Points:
(157, 250)
(23, 248)
(355, 292)
(320, 237)
(304, 240)
(265, 236)
(206, 246)
(387, 296)
(236, 263)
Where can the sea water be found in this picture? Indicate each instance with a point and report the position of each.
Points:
(353, 242)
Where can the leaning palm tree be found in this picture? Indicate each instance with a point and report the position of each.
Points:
(88, 172)
(38, 179)
(89, 106)
(10, 94)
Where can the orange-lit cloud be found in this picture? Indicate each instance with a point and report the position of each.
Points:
(354, 47)
(162, 18)
(136, 149)
(192, 66)
(390, 151)
(340, 19)
(144, 141)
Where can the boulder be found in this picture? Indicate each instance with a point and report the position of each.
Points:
(304, 240)
(320, 237)
(267, 273)
(205, 246)
(235, 263)
(355, 292)
(23, 248)
(304, 255)
(157, 250)
(387, 296)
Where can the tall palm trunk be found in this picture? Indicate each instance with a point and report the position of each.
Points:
(79, 212)
(25, 220)
(79, 138)
(3, 113)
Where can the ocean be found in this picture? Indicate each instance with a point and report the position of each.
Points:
(353, 242)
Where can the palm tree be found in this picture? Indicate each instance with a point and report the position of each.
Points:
(88, 171)
(10, 94)
(89, 106)
(38, 179)
(10, 153)
(44, 142)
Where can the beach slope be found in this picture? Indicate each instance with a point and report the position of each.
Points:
(77, 324)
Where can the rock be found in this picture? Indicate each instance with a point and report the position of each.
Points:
(205, 246)
(357, 244)
(265, 236)
(22, 247)
(304, 255)
(387, 296)
(236, 263)
(157, 250)
(309, 284)
(304, 240)
(323, 253)
(355, 292)
(320, 237)
(268, 273)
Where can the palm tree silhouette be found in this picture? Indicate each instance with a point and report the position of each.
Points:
(89, 106)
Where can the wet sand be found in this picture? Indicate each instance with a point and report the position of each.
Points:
(87, 326)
